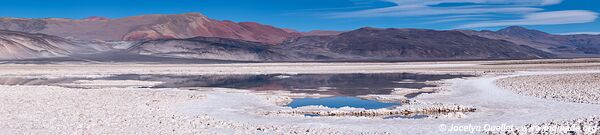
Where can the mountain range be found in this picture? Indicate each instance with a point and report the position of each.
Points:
(149, 27)
(408, 44)
(193, 36)
(21, 45)
(564, 45)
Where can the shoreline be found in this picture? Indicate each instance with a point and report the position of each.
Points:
(231, 111)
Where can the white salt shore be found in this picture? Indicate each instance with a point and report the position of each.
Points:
(573, 87)
(495, 106)
(132, 110)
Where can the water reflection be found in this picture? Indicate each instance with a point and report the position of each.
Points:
(330, 84)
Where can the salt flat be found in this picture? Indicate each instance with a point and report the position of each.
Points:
(144, 110)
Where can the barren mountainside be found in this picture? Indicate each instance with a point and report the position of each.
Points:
(195, 36)
(20, 45)
(321, 33)
(148, 27)
(209, 48)
(409, 44)
(362, 44)
(564, 45)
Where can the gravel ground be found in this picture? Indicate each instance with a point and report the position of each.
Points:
(579, 88)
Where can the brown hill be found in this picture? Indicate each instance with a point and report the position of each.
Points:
(148, 27)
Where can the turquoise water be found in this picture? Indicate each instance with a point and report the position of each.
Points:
(341, 101)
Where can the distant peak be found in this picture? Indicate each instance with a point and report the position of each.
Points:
(369, 28)
(95, 18)
(514, 29)
(522, 32)
(519, 29)
(194, 14)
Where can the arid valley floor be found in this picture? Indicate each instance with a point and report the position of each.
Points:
(492, 97)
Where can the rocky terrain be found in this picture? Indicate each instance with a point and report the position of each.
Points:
(148, 27)
(20, 45)
(209, 48)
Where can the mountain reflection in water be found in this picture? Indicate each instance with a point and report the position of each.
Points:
(331, 84)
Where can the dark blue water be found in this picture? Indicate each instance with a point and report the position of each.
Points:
(338, 84)
(341, 101)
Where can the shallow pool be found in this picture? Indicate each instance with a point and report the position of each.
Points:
(341, 101)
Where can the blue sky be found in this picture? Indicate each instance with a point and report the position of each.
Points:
(554, 16)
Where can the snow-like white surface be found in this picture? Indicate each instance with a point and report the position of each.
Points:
(110, 83)
(495, 106)
(225, 111)
(510, 107)
(577, 87)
